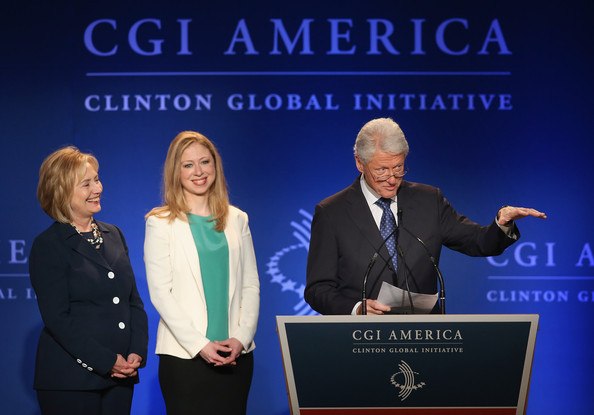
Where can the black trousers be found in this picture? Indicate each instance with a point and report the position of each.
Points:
(116, 400)
(192, 386)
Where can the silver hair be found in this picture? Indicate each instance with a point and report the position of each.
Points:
(380, 134)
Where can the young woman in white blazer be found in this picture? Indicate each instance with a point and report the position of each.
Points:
(203, 281)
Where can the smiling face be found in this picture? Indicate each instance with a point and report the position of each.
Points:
(383, 165)
(197, 171)
(86, 197)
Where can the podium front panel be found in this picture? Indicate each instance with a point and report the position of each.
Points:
(381, 365)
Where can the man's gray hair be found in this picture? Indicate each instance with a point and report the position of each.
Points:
(380, 134)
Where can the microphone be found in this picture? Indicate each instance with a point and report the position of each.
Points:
(368, 271)
(433, 262)
(408, 292)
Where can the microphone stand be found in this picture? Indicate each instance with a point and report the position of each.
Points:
(442, 296)
(368, 271)
(406, 269)
(364, 291)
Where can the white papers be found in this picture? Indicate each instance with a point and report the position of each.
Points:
(398, 299)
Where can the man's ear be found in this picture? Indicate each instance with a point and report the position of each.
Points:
(359, 164)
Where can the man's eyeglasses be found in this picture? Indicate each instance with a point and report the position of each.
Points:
(383, 174)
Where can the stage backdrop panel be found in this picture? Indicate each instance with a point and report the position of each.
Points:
(495, 98)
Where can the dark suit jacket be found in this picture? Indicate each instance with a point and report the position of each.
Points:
(90, 307)
(344, 237)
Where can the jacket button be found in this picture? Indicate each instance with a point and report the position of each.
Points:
(116, 300)
(110, 275)
(84, 365)
(121, 325)
(78, 361)
(90, 369)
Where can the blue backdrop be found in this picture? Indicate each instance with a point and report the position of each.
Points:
(495, 98)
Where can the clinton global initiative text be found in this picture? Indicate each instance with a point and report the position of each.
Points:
(161, 102)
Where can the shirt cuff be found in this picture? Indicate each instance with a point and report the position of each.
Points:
(508, 230)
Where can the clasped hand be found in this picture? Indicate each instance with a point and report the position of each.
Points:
(126, 368)
(222, 353)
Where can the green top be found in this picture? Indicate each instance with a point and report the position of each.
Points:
(213, 252)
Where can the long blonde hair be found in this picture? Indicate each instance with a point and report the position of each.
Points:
(174, 202)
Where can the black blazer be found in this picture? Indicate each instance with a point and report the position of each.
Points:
(344, 237)
(90, 307)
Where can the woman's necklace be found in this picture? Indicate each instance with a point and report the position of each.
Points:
(97, 239)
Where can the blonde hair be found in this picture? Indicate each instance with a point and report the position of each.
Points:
(174, 202)
(58, 174)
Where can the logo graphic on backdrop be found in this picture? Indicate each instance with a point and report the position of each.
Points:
(407, 376)
(285, 265)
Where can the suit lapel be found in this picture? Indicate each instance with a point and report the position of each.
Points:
(182, 235)
(111, 245)
(362, 218)
(231, 234)
(81, 246)
(404, 205)
(405, 240)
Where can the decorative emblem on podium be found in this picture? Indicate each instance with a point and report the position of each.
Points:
(404, 380)
(281, 266)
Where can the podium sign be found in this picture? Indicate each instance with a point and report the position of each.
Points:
(408, 365)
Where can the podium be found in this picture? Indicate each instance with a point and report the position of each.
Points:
(408, 365)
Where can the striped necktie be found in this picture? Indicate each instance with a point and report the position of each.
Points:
(388, 228)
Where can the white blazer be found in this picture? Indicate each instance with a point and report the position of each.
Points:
(176, 290)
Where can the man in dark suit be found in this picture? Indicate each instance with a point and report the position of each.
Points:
(380, 212)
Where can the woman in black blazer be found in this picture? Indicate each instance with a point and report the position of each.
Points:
(95, 335)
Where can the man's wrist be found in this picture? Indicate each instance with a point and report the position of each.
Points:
(498, 218)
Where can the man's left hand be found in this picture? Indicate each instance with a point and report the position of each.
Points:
(508, 214)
